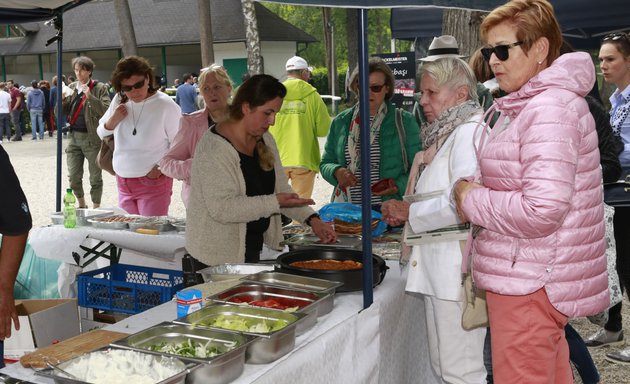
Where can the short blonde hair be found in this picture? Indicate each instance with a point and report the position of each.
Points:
(532, 19)
(452, 72)
(220, 73)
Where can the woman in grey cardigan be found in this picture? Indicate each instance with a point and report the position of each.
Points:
(238, 188)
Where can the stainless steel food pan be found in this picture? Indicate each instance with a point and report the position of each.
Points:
(294, 281)
(220, 369)
(307, 241)
(152, 364)
(232, 271)
(268, 346)
(310, 303)
(83, 215)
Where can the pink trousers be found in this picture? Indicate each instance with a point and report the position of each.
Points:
(144, 196)
(528, 342)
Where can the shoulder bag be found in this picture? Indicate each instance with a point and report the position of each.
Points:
(617, 194)
(105, 155)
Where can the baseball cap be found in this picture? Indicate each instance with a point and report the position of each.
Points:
(442, 46)
(296, 63)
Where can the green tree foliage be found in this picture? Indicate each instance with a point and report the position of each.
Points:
(310, 20)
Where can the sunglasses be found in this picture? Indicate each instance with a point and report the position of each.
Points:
(376, 88)
(501, 51)
(138, 85)
(615, 36)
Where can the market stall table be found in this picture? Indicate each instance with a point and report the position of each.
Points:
(385, 343)
(81, 246)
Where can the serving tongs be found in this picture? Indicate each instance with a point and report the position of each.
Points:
(57, 368)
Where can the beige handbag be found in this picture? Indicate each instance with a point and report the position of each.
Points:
(475, 313)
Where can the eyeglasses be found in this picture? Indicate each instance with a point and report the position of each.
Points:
(138, 85)
(615, 36)
(501, 51)
(376, 88)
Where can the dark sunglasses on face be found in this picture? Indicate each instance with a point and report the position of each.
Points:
(501, 51)
(138, 85)
(615, 36)
(376, 88)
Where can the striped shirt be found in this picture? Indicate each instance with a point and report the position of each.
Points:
(375, 161)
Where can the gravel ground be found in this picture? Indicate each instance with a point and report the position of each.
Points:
(35, 164)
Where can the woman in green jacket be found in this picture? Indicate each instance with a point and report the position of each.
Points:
(392, 145)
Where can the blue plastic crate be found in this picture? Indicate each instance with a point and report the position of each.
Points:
(128, 288)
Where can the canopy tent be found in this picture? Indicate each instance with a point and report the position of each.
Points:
(24, 11)
(362, 6)
(583, 22)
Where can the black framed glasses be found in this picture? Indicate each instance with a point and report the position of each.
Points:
(616, 36)
(138, 85)
(501, 51)
(376, 88)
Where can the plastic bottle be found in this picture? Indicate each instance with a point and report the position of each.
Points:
(69, 210)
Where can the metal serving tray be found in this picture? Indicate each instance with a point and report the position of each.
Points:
(220, 369)
(233, 271)
(312, 304)
(153, 360)
(307, 241)
(83, 215)
(161, 223)
(101, 222)
(295, 281)
(268, 346)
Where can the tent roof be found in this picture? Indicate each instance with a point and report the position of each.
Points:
(22, 11)
(583, 22)
(156, 23)
(468, 4)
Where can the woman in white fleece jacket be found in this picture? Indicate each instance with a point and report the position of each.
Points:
(238, 184)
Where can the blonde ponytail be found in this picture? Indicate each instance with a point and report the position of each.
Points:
(266, 158)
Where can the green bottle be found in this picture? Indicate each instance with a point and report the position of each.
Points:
(69, 210)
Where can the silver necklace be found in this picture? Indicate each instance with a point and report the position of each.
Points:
(133, 115)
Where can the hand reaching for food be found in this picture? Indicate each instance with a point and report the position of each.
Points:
(292, 200)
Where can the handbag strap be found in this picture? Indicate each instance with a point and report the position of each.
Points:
(402, 137)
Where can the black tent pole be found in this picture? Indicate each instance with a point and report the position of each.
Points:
(58, 20)
(366, 193)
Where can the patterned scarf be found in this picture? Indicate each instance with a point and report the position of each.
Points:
(438, 131)
(354, 136)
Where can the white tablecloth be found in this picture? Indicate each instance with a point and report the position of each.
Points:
(386, 343)
(58, 243)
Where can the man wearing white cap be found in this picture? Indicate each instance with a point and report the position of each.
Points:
(301, 120)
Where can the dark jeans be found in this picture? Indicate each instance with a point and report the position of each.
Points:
(5, 125)
(16, 117)
(1, 354)
(487, 357)
(580, 356)
(621, 224)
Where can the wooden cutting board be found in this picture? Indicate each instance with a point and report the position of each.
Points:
(70, 348)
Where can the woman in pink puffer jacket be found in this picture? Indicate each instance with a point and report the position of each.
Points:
(539, 252)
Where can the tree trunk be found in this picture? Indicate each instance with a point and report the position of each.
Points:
(352, 31)
(328, 44)
(205, 32)
(254, 60)
(464, 25)
(125, 28)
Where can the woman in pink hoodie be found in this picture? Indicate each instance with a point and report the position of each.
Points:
(537, 208)
(216, 89)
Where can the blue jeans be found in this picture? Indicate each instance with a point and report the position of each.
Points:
(5, 125)
(37, 124)
(1, 354)
(580, 356)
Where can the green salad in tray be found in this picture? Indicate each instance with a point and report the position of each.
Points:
(190, 348)
(244, 324)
